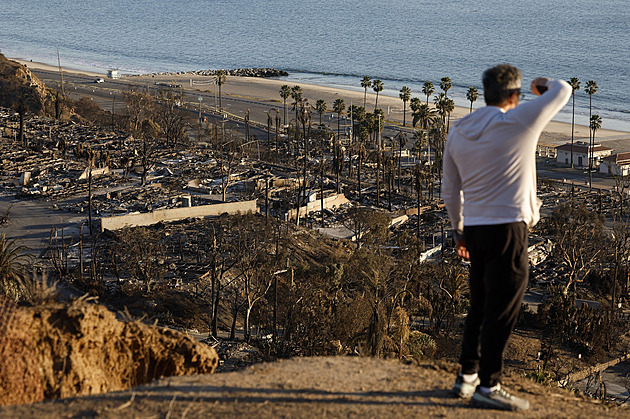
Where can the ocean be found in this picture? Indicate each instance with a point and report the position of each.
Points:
(336, 43)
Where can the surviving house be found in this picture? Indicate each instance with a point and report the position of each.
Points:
(546, 150)
(580, 151)
(616, 164)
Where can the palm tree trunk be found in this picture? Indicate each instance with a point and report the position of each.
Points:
(359, 175)
(378, 169)
(572, 128)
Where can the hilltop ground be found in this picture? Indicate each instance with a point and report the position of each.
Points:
(314, 387)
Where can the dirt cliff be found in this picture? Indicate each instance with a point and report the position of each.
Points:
(17, 82)
(64, 350)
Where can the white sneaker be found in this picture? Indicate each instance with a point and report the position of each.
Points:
(464, 390)
(498, 399)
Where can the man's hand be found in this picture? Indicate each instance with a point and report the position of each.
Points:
(539, 81)
(462, 251)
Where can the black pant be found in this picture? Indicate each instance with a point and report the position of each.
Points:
(498, 278)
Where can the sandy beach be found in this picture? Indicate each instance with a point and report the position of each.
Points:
(267, 90)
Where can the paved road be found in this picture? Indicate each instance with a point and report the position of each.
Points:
(31, 222)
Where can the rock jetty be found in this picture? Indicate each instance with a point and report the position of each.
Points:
(239, 72)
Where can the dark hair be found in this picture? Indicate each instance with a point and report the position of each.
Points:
(499, 83)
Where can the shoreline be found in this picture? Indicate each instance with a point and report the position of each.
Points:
(266, 89)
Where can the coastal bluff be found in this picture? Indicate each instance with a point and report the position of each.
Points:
(19, 88)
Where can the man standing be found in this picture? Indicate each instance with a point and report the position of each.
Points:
(490, 194)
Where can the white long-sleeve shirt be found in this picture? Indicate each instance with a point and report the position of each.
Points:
(490, 161)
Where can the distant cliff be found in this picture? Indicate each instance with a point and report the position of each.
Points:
(18, 83)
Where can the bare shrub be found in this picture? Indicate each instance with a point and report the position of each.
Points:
(421, 345)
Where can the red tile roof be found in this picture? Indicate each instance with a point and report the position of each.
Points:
(581, 147)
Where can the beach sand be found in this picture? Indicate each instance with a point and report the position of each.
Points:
(267, 90)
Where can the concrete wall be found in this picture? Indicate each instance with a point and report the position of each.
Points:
(329, 202)
(149, 218)
(580, 375)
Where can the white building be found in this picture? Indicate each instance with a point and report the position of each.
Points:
(616, 164)
(580, 152)
(113, 74)
(546, 150)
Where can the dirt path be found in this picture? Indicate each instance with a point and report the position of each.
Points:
(313, 387)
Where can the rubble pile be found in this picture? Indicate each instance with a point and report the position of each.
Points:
(49, 166)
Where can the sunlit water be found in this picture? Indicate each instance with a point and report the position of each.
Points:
(337, 42)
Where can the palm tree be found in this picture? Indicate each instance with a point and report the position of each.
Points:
(285, 92)
(377, 86)
(320, 108)
(220, 78)
(591, 89)
(575, 85)
(420, 140)
(423, 115)
(596, 123)
(402, 141)
(428, 89)
(298, 98)
(414, 104)
(440, 106)
(13, 269)
(445, 84)
(365, 83)
(339, 106)
(449, 107)
(472, 96)
(405, 95)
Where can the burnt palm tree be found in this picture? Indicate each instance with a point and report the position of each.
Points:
(575, 85)
(405, 95)
(366, 82)
(320, 108)
(595, 124)
(472, 95)
(377, 86)
(402, 141)
(591, 89)
(428, 89)
(21, 108)
(285, 92)
(445, 84)
(219, 79)
(338, 107)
